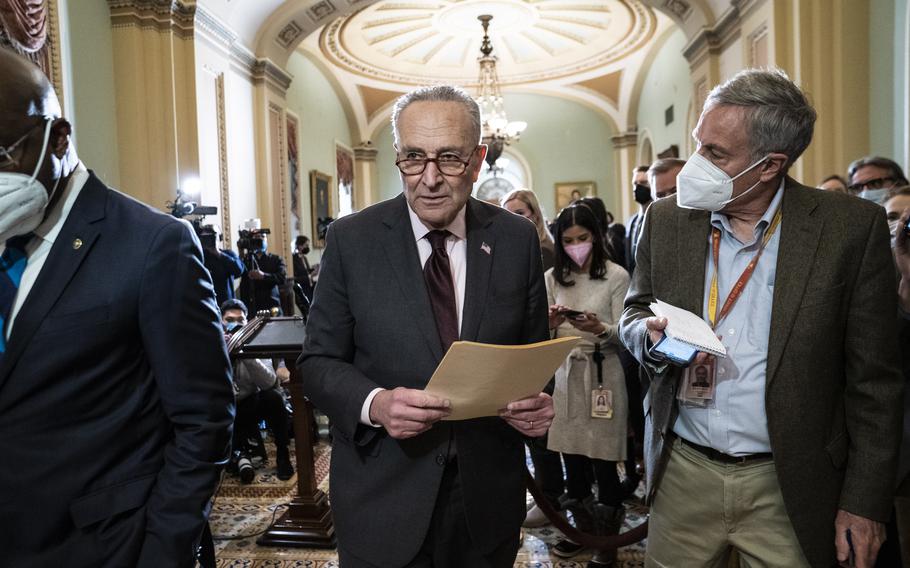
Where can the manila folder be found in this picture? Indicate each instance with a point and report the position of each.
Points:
(479, 379)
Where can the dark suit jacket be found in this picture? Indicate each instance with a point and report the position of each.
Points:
(636, 223)
(371, 325)
(903, 469)
(833, 387)
(302, 274)
(115, 395)
(223, 266)
(263, 294)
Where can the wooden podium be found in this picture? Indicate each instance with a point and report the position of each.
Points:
(308, 520)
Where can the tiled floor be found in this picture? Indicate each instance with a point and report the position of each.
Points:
(243, 511)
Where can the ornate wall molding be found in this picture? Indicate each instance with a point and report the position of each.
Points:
(365, 152)
(625, 139)
(220, 114)
(213, 29)
(711, 41)
(217, 33)
(278, 157)
(289, 35)
(172, 16)
(264, 71)
(53, 34)
(679, 8)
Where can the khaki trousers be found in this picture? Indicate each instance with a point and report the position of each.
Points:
(706, 511)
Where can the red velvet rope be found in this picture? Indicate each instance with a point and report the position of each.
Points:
(25, 23)
(611, 542)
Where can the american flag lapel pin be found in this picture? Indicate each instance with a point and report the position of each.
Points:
(486, 248)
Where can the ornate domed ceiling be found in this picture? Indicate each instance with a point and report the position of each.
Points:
(535, 40)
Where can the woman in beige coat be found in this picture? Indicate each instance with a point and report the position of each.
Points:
(586, 292)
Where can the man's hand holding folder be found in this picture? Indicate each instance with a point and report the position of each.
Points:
(405, 413)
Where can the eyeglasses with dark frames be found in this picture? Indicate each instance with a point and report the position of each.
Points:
(876, 183)
(6, 153)
(448, 163)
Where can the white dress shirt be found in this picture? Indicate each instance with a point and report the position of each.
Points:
(456, 247)
(37, 249)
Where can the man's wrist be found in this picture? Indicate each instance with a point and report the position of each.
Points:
(653, 360)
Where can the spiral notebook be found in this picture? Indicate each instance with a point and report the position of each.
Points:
(687, 327)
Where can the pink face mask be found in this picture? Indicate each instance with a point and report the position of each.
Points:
(579, 253)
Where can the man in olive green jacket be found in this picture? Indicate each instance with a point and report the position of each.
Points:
(809, 394)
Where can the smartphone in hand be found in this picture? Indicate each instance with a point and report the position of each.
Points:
(675, 351)
(571, 314)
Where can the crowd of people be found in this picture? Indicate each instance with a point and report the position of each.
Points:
(121, 406)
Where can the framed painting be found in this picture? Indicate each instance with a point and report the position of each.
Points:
(571, 191)
(321, 192)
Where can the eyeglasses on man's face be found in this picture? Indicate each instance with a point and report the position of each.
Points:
(876, 183)
(448, 163)
(7, 160)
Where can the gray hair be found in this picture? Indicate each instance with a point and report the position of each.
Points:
(664, 165)
(894, 170)
(779, 117)
(438, 93)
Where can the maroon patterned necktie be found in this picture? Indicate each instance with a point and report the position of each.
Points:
(440, 287)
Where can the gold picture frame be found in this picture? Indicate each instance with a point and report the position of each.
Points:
(569, 191)
(322, 206)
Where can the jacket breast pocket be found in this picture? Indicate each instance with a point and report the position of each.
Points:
(56, 323)
(109, 501)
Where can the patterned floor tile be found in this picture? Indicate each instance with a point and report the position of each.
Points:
(242, 512)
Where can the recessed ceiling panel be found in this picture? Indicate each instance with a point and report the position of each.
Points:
(417, 42)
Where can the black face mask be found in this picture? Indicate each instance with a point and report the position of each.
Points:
(642, 193)
(305, 250)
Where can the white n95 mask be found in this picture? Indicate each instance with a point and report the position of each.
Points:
(23, 198)
(702, 185)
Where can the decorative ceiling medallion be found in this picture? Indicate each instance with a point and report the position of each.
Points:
(425, 41)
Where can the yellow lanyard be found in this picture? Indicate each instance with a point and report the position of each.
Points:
(737, 290)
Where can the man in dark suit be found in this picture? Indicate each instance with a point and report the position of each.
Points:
(400, 281)
(641, 193)
(303, 272)
(265, 273)
(223, 265)
(115, 388)
(803, 421)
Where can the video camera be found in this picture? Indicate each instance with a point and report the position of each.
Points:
(251, 235)
(184, 207)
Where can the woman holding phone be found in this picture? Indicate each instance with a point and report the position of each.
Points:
(585, 289)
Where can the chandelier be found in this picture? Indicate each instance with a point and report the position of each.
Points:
(496, 129)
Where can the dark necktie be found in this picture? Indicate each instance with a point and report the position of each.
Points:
(438, 276)
(12, 265)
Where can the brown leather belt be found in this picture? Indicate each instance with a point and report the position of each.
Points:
(721, 457)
